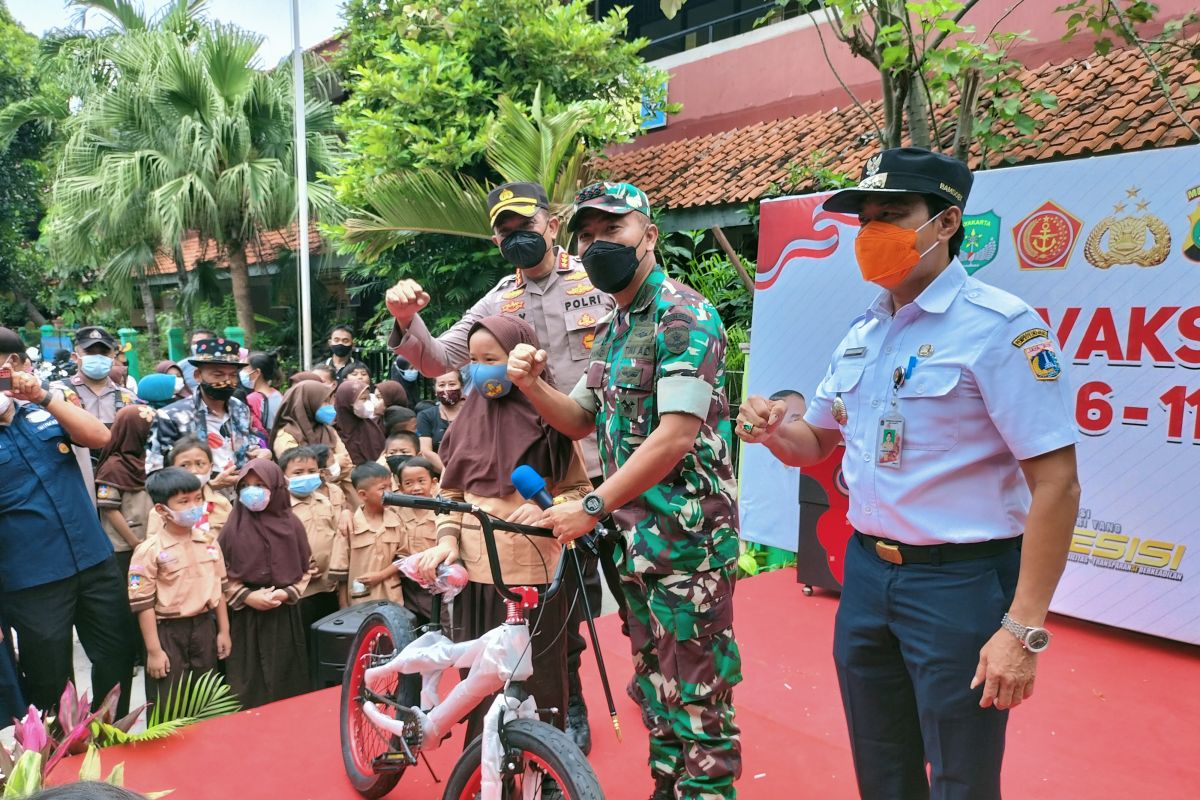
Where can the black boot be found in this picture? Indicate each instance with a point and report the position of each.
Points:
(635, 693)
(664, 789)
(577, 724)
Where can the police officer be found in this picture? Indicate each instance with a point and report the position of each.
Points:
(57, 568)
(552, 291)
(960, 460)
(655, 394)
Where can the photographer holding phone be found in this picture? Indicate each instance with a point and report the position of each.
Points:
(57, 568)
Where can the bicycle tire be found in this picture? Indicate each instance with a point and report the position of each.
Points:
(384, 632)
(541, 743)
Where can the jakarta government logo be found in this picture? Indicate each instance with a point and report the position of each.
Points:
(981, 240)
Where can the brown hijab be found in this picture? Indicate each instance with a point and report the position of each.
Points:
(296, 415)
(123, 459)
(363, 438)
(268, 547)
(303, 376)
(391, 393)
(490, 438)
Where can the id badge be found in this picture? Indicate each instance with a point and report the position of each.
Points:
(891, 440)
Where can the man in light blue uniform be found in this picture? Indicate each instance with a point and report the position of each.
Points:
(960, 458)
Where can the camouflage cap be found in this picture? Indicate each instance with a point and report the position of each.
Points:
(611, 198)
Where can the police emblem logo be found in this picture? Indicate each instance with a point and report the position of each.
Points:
(513, 293)
(582, 288)
(1144, 240)
(512, 306)
(585, 321)
(677, 339)
(493, 388)
(507, 194)
(1043, 361)
(1046, 238)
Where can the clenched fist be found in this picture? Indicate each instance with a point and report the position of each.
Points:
(525, 365)
(405, 299)
(759, 418)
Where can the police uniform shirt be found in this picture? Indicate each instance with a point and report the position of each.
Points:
(563, 308)
(48, 525)
(986, 390)
(177, 576)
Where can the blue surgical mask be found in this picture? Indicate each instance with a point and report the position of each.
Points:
(491, 380)
(254, 498)
(325, 415)
(244, 377)
(96, 367)
(410, 375)
(304, 485)
(187, 517)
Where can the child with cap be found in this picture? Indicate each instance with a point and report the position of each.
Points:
(175, 588)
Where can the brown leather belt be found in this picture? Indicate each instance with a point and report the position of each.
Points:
(898, 553)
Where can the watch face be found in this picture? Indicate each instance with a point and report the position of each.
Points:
(1037, 640)
(592, 505)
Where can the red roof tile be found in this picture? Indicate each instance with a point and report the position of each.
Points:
(1106, 103)
(263, 251)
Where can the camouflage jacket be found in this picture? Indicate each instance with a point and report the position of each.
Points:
(189, 416)
(666, 354)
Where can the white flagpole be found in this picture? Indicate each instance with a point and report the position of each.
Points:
(302, 192)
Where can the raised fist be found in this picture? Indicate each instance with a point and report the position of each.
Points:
(405, 299)
(525, 364)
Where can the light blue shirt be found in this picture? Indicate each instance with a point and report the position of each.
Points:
(987, 390)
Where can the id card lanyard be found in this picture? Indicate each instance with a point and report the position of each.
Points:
(890, 442)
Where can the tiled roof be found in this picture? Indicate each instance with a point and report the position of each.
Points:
(1106, 104)
(262, 251)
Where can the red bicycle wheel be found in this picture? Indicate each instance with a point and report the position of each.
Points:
(547, 753)
(382, 634)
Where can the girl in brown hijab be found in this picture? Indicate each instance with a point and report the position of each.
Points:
(121, 482)
(267, 560)
(306, 417)
(497, 430)
(357, 421)
(391, 393)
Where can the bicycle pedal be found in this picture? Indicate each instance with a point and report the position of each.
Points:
(392, 762)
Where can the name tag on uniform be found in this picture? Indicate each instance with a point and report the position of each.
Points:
(891, 440)
(854, 352)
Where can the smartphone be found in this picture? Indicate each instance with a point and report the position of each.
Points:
(5, 379)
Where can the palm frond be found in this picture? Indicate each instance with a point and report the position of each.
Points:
(123, 14)
(421, 202)
(47, 110)
(196, 698)
(534, 147)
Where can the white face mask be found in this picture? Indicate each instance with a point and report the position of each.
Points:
(365, 409)
(178, 385)
(334, 470)
(5, 403)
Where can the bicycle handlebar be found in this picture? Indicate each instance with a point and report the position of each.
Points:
(489, 524)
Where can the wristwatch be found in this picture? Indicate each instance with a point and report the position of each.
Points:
(46, 398)
(1035, 640)
(593, 504)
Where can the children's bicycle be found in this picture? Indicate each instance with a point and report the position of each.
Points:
(391, 713)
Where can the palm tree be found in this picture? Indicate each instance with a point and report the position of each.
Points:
(544, 148)
(189, 137)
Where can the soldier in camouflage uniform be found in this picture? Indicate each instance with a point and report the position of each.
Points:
(654, 392)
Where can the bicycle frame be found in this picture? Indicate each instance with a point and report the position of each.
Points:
(499, 658)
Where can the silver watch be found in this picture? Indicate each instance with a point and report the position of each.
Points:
(1035, 640)
(593, 504)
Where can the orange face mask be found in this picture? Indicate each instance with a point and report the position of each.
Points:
(887, 253)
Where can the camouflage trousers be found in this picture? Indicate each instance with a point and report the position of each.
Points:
(686, 663)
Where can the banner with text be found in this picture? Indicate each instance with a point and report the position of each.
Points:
(1108, 252)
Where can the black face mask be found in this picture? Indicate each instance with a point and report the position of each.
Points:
(340, 350)
(611, 266)
(395, 462)
(524, 249)
(218, 393)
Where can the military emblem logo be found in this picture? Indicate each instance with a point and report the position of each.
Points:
(1043, 361)
(1191, 242)
(509, 295)
(1143, 240)
(512, 307)
(677, 339)
(1046, 238)
(582, 288)
(981, 240)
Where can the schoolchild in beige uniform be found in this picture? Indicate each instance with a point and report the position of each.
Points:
(175, 588)
(417, 476)
(376, 540)
(316, 513)
(196, 457)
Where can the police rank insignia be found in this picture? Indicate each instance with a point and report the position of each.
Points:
(1043, 361)
(839, 412)
(577, 275)
(582, 288)
(513, 306)
(513, 293)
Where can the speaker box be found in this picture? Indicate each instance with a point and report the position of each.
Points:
(331, 638)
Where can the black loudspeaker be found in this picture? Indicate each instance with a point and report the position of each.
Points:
(331, 638)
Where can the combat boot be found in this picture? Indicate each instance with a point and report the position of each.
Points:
(577, 724)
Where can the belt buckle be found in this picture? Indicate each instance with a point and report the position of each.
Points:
(889, 552)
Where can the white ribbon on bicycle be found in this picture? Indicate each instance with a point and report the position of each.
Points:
(490, 759)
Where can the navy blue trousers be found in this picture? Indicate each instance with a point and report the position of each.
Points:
(906, 644)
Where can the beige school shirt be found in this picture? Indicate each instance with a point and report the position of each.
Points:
(284, 441)
(135, 506)
(373, 546)
(217, 509)
(316, 513)
(523, 559)
(564, 310)
(177, 576)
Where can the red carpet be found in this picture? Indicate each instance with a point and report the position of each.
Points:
(1115, 716)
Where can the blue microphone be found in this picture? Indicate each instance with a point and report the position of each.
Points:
(531, 486)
